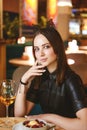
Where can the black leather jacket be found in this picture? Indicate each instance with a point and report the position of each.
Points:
(64, 100)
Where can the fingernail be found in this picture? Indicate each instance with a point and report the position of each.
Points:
(44, 70)
(25, 116)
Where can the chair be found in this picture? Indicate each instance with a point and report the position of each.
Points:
(80, 65)
(78, 57)
(16, 76)
(81, 70)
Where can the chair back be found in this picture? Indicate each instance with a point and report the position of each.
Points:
(18, 73)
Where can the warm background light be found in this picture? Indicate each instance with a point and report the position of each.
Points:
(29, 12)
(52, 10)
(64, 3)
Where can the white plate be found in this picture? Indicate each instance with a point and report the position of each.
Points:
(19, 126)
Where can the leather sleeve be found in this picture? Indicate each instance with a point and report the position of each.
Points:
(76, 93)
(32, 94)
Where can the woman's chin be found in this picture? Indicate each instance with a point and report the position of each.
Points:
(44, 64)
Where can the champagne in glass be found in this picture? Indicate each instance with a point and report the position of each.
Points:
(7, 93)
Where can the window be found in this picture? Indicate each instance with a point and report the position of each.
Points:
(74, 26)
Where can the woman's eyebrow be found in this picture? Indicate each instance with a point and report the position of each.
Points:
(46, 44)
(43, 44)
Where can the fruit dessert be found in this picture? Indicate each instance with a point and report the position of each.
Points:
(34, 123)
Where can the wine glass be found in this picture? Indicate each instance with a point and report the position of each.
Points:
(7, 94)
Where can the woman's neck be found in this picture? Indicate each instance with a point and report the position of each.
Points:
(52, 67)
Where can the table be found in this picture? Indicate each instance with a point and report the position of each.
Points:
(15, 120)
(79, 51)
(83, 48)
(20, 61)
(12, 121)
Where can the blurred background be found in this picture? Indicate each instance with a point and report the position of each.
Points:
(17, 15)
(19, 19)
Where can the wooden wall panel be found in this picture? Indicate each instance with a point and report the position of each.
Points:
(2, 62)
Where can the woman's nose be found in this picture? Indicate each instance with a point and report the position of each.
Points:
(41, 52)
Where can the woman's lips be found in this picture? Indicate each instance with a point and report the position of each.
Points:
(43, 60)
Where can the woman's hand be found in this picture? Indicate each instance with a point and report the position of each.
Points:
(78, 123)
(44, 117)
(35, 70)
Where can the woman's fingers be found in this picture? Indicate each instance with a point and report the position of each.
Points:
(33, 117)
(35, 70)
(36, 62)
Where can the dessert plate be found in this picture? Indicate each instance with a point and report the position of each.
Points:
(19, 126)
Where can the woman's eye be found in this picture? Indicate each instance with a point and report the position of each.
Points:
(47, 46)
(36, 49)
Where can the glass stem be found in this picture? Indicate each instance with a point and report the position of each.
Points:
(7, 111)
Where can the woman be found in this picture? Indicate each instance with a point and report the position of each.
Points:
(52, 84)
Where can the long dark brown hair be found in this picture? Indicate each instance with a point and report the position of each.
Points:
(57, 43)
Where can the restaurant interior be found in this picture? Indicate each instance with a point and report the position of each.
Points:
(18, 24)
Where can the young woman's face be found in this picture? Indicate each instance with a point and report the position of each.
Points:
(44, 52)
